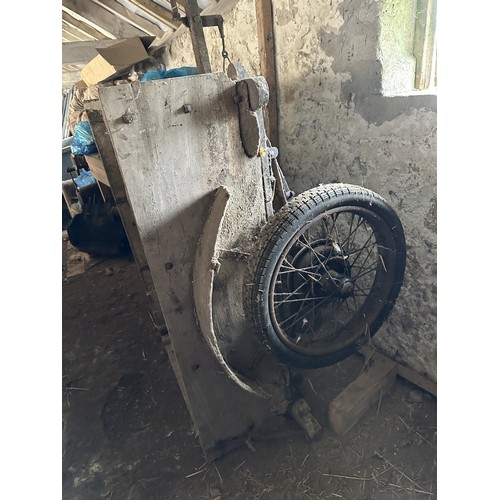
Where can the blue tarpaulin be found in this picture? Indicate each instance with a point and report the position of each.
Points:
(169, 73)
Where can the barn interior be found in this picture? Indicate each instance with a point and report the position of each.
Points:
(221, 338)
(345, 93)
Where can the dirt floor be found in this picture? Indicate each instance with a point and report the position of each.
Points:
(127, 434)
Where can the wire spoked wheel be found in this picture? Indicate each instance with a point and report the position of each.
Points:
(329, 268)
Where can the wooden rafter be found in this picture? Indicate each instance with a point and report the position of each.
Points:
(81, 35)
(69, 36)
(129, 17)
(159, 12)
(82, 26)
(100, 17)
(88, 22)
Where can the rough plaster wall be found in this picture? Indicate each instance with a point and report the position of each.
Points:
(240, 33)
(336, 126)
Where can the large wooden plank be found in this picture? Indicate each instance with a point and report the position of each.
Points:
(417, 379)
(176, 142)
(424, 43)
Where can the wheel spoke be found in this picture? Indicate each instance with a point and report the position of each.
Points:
(367, 271)
(301, 270)
(314, 306)
(295, 291)
(352, 233)
(364, 247)
(302, 299)
(294, 314)
(319, 260)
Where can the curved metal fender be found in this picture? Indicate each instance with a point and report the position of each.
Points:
(205, 265)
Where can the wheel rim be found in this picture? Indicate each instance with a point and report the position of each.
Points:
(333, 280)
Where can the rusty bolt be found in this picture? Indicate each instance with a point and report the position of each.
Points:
(187, 108)
(127, 118)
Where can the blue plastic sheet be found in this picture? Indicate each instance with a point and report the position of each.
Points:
(83, 140)
(84, 179)
(169, 73)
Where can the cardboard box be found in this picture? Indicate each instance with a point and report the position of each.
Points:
(115, 60)
(96, 167)
(80, 84)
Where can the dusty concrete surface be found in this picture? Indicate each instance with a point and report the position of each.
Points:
(127, 433)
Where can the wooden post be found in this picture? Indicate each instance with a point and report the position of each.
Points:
(265, 16)
(197, 37)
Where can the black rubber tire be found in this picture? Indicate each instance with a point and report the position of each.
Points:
(288, 225)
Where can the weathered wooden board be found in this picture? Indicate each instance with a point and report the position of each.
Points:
(353, 402)
(115, 181)
(176, 141)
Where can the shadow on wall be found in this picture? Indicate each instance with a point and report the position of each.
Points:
(337, 126)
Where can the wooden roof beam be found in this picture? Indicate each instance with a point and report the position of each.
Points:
(100, 17)
(159, 12)
(81, 35)
(69, 36)
(128, 16)
(83, 26)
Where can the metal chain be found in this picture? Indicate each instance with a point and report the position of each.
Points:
(225, 54)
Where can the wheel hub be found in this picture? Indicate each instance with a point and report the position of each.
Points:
(338, 283)
(332, 275)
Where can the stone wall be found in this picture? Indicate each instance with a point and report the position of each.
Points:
(335, 124)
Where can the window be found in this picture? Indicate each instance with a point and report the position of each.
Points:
(407, 49)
